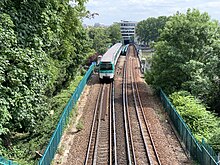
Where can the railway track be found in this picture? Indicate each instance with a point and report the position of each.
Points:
(99, 149)
(133, 144)
(141, 147)
(121, 126)
(129, 143)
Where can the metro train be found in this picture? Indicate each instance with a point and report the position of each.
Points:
(124, 49)
(108, 62)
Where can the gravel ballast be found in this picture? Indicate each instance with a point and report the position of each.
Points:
(73, 147)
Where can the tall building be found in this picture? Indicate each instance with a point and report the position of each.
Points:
(128, 31)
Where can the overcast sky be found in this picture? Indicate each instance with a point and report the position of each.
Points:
(136, 10)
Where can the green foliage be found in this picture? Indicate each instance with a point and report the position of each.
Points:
(26, 81)
(25, 145)
(42, 46)
(215, 141)
(187, 56)
(114, 33)
(6, 40)
(100, 39)
(203, 123)
(149, 29)
(80, 125)
(22, 82)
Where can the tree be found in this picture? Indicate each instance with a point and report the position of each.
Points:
(42, 45)
(148, 30)
(100, 38)
(114, 33)
(187, 56)
(141, 32)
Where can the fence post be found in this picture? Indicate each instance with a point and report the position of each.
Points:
(203, 152)
(218, 158)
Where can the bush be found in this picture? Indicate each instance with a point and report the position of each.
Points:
(203, 123)
(25, 145)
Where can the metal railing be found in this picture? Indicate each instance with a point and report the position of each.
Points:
(3, 161)
(202, 153)
(55, 139)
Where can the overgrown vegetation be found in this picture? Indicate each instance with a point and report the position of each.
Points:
(186, 58)
(24, 146)
(42, 47)
(80, 125)
(203, 123)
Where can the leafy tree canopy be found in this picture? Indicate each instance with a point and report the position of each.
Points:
(103, 37)
(187, 56)
(100, 38)
(42, 46)
(149, 29)
(114, 33)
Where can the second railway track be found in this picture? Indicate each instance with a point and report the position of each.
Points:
(142, 146)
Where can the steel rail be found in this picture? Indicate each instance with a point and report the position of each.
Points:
(139, 120)
(93, 125)
(144, 117)
(128, 114)
(125, 116)
(110, 125)
(98, 129)
(114, 127)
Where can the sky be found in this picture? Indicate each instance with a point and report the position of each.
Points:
(111, 11)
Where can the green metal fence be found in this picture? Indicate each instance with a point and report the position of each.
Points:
(202, 153)
(3, 161)
(209, 155)
(55, 139)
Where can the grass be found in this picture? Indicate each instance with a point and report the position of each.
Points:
(80, 125)
(61, 150)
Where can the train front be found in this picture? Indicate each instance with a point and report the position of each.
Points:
(106, 71)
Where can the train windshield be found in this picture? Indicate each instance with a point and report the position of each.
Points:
(106, 66)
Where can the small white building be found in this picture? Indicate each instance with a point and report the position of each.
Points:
(128, 31)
